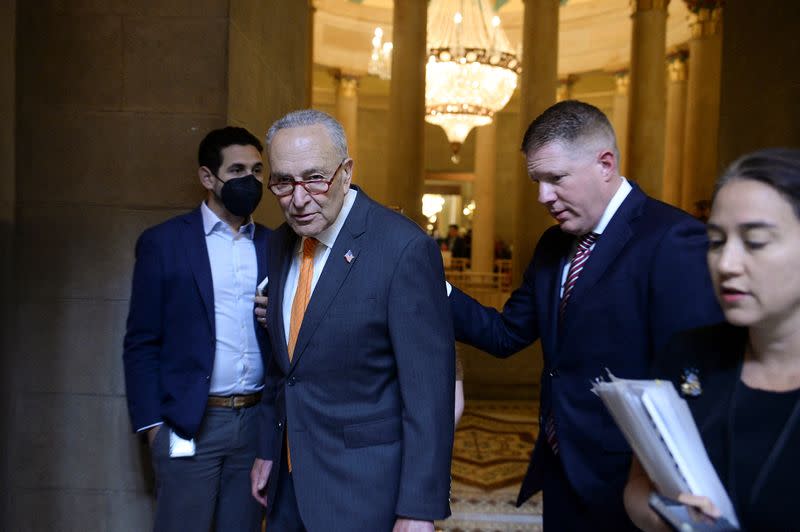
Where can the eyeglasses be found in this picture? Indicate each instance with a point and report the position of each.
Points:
(314, 184)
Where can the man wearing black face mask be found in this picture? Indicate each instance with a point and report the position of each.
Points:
(193, 353)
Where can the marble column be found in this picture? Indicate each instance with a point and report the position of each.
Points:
(347, 109)
(676, 126)
(483, 232)
(647, 112)
(619, 118)
(537, 93)
(111, 104)
(8, 19)
(406, 162)
(702, 107)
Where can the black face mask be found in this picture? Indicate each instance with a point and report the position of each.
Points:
(241, 195)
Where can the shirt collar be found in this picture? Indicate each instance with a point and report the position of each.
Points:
(212, 222)
(328, 236)
(613, 205)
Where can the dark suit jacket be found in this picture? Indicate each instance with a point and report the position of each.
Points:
(170, 339)
(645, 279)
(368, 397)
(715, 354)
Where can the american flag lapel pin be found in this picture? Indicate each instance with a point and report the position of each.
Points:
(349, 256)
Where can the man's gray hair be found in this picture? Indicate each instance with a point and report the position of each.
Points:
(311, 117)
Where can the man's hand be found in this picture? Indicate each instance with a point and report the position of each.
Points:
(151, 434)
(258, 479)
(261, 310)
(412, 525)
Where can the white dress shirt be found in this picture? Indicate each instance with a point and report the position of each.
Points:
(326, 240)
(238, 368)
(611, 209)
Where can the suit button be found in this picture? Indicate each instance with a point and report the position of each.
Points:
(292, 380)
(554, 373)
(280, 424)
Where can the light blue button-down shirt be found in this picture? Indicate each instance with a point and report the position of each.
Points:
(238, 368)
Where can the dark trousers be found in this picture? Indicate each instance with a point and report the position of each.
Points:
(211, 488)
(564, 510)
(284, 516)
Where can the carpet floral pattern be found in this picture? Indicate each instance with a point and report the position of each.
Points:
(490, 456)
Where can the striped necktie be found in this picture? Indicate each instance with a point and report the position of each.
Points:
(575, 267)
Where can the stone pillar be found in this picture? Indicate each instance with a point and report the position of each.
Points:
(111, 106)
(406, 163)
(8, 19)
(647, 112)
(483, 232)
(676, 127)
(702, 107)
(347, 109)
(620, 117)
(759, 106)
(537, 93)
(269, 70)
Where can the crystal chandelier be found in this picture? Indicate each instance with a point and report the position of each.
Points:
(471, 71)
(380, 62)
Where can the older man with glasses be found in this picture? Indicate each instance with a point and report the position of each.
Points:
(357, 411)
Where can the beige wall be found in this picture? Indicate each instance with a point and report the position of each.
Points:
(267, 70)
(759, 104)
(113, 99)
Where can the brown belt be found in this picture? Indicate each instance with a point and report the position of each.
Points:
(234, 401)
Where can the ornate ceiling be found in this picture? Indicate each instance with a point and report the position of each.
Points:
(594, 34)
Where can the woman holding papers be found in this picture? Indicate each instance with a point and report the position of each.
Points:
(742, 378)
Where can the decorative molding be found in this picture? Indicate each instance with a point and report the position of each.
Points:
(649, 5)
(696, 5)
(622, 79)
(677, 66)
(706, 22)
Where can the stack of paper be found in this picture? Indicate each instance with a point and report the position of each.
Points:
(661, 431)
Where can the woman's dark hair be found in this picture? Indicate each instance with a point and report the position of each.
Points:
(776, 167)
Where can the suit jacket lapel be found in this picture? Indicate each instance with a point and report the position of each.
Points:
(280, 260)
(336, 270)
(197, 252)
(608, 247)
(552, 292)
(260, 243)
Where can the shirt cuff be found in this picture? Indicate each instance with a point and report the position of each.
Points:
(149, 426)
(449, 288)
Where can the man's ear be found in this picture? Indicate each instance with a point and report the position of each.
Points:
(608, 164)
(347, 172)
(206, 177)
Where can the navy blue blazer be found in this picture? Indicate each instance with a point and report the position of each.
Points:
(368, 397)
(170, 340)
(645, 280)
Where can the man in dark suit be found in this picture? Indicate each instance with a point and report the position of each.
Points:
(193, 353)
(358, 405)
(456, 244)
(606, 289)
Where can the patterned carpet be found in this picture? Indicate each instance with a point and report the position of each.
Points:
(492, 447)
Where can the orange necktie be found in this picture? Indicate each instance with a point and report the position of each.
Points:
(303, 293)
(299, 304)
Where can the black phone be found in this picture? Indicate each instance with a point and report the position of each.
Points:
(687, 519)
